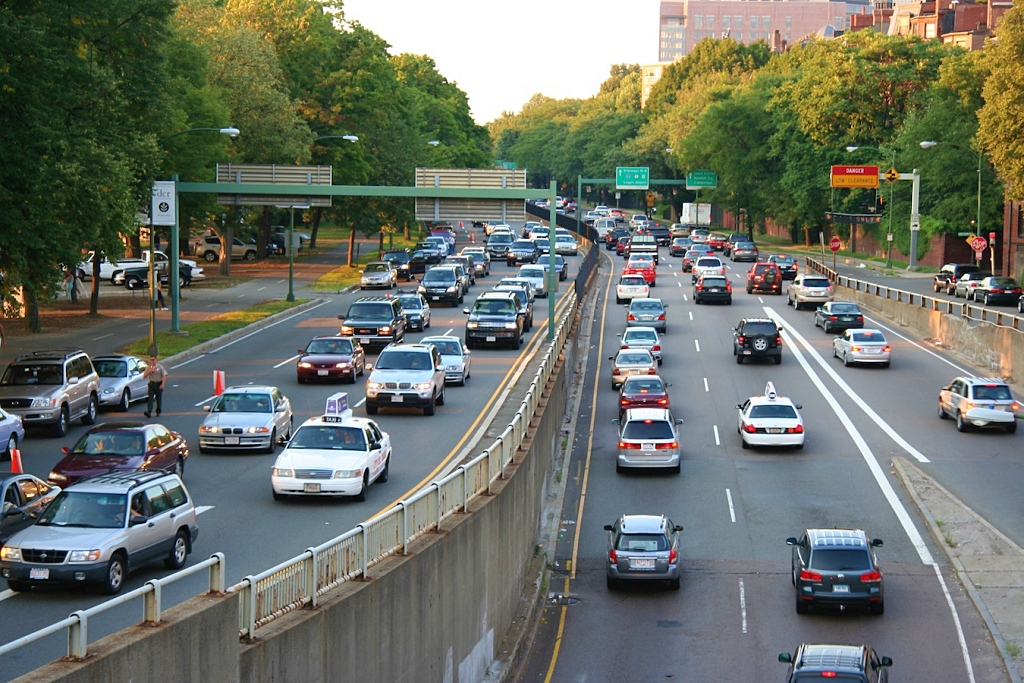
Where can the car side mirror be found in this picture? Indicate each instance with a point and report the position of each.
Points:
(877, 542)
(369, 366)
(207, 408)
(302, 352)
(341, 317)
(65, 450)
(609, 527)
(739, 406)
(465, 310)
(616, 421)
(791, 541)
(375, 446)
(799, 407)
(679, 420)
(886, 661)
(668, 384)
(786, 658)
(136, 520)
(679, 527)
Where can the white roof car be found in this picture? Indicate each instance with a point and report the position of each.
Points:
(770, 420)
(631, 287)
(643, 338)
(501, 227)
(565, 244)
(708, 265)
(537, 277)
(637, 219)
(334, 454)
(862, 346)
(519, 281)
(457, 359)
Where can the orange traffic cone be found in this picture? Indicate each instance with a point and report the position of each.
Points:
(218, 382)
(16, 467)
(460, 225)
(471, 240)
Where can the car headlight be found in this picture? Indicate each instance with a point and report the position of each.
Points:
(422, 386)
(108, 390)
(346, 329)
(258, 430)
(209, 429)
(421, 289)
(58, 478)
(472, 325)
(284, 472)
(375, 385)
(453, 368)
(511, 326)
(83, 556)
(305, 364)
(384, 329)
(452, 288)
(10, 554)
(348, 474)
(342, 365)
(43, 402)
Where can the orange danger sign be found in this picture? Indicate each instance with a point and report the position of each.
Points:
(854, 176)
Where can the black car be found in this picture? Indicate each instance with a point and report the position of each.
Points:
(522, 251)
(945, 279)
(848, 663)
(497, 245)
(399, 259)
(611, 238)
(838, 315)
(421, 259)
(440, 284)
(375, 321)
(525, 303)
(836, 568)
(432, 248)
(661, 234)
(495, 319)
(757, 338)
(712, 288)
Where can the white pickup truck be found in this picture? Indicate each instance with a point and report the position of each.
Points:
(109, 270)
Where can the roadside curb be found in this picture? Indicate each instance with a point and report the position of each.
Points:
(915, 481)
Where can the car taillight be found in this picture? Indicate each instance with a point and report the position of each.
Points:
(778, 340)
(700, 287)
(750, 429)
(613, 556)
(665, 446)
(740, 340)
(886, 349)
(664, 402)
(799, 429)
(623, 401)
(673, 555)
(828, 674)
(871, 577)
(630, 317)
(807, 575)
(652, 371)
(661, 317)
(728, 286)
(860, 318)
(626, 446)
(833, 318)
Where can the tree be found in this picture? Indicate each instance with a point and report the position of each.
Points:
(1002, 118)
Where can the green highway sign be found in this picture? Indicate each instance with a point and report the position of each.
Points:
(699, 180)
(632, 178)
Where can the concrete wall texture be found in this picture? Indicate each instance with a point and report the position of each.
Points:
(439, 613)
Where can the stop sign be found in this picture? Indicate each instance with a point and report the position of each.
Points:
(979, 243)
(834, 244)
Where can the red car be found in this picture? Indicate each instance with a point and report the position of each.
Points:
(764, 277)
(644, 268)
(620, 246)
(717, 241)
(121, 447)
(331, 358)
(643, 391)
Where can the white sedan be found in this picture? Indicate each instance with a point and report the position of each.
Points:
(631, 287)
(770, 420)
(565, 245)
(457, 359)
(862, 346)
(332, 456)
(538, 278)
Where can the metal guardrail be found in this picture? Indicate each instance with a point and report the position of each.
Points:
(301, 581)
(968, 310)
(77, 624)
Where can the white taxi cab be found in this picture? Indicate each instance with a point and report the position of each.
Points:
(770, 420)
(334, 454)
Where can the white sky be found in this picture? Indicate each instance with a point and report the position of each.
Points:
(502, 53)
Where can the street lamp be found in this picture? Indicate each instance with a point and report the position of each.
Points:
(291, 247)
(928, 144)
(433, 143)
(892, 189)
(349, 137)
(172, 267)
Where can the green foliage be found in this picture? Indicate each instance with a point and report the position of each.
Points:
(1002, 117)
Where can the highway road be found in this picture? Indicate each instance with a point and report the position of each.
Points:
(238, 514)
(735, 612)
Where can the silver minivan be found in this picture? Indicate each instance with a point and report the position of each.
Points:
(648, 438)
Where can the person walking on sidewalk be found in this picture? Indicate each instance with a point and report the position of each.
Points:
(156, 374)
(160, 294)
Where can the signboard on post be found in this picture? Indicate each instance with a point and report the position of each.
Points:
(162, 211)
(978, 243)
(835, 244)
(632, 178)
(700, 180)
(854, 176)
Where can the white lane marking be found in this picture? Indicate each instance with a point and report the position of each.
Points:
(706, 384)
(267, 327)
(718, 442)
(200, 509)
(680, 285)
(286, 362)
(282, 281)
(260, 289)
(360, 402)
(732, 510)
(743, 606)
(143, 325)
(242, 296)
(186, 362)
(964, 652)
(449, 332)
(697, 344)
(204, 401)
(923, 348)
(918, 455)
(760, 300)
(103, 336)
(869, 458)
(691, 315)
(212, 305)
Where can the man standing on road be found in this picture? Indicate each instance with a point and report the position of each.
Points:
(156, 374)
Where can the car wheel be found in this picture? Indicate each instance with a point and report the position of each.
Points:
(210, 257)
(986, 300)
(778, 359)
(250, 256)
(674, 584)
(961, 426)
(361, 496)
(461, 298)
(1011, 428)
(113, 582)
(429, 409)
(744, 444)
(885, 365)
(352, 377)
(834, 353)
(61, 427)
(792, 572)
(611, 583)
(179, 467)
(440, 397)
(184, 281)
(125, 402)
(278, 496)
(739, 359)
(878, 609)
(386, 472)
(846, 359)
(615, 387)
(801, 606)
(750, 290)
(179, 552)
(18, 586)
(370, 409)
(90, 412)
(273, 441)
(619, 300)
(942, 413)
(133, 282)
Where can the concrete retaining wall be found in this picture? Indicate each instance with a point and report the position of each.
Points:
(439, 613)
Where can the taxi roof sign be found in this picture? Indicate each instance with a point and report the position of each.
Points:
(337, 406)
(769, 391)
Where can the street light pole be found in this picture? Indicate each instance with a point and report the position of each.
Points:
(928, 144)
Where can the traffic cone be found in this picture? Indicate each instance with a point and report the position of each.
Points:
(16, 467)
(471, 240)
(218, 382)
(460, 225)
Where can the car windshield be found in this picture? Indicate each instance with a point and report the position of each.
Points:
(744, 245)
(536, 273)
(399, 256)
(648, 429)
(243, 403)
(867, 337)
(443, 275)
(845, 308)
(525, 245)
(368, 311)
(110, 443)
(634, 336)
(376, 268)
(998, 392)
(633, 281)
(816, 282)
(403, 360)
(773, 411)
(411, 302)
(332, 437)
(713, 281)
(634, 358)
(646, 306)
(500, 238)
(330, 346)
(447, 348)
(643, 385)
(1003, 282)
(642, 543)
(783, 260)
(492, 307)
(709, 263)
(835, 559)
(760, 328)
(81, 509)
(111, 368)
(27, 375)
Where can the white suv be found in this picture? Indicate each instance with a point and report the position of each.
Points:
(406, 376)
(102, 528)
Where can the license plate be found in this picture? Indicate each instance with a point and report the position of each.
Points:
(840, 588)
(435, 298)
(774, 430)
(230, 440)
(491, 339)
(714, 289)
(398, 398)
(871, 349)
(39, 574)
(641, 563)
(364, 340)
(311, 488)
(322, 373)
(647, 446)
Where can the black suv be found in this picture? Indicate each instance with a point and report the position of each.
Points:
(661, 234)
(495, 319)
(945, 279)
(854, 663)
(525, 303)
(522, 251)
(837, 568)
(757, 338)
(375, 321)
(441, 284)
(399, 259)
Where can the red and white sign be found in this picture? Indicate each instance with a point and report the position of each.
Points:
(979, 243)
(992, 237)
(978, 255)
(854, 176)
(834, 244)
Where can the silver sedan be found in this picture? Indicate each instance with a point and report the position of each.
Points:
(246, 418)
(121, 380)
(862, 346)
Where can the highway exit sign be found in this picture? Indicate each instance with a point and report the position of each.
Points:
(632, 178)
(699, 180)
